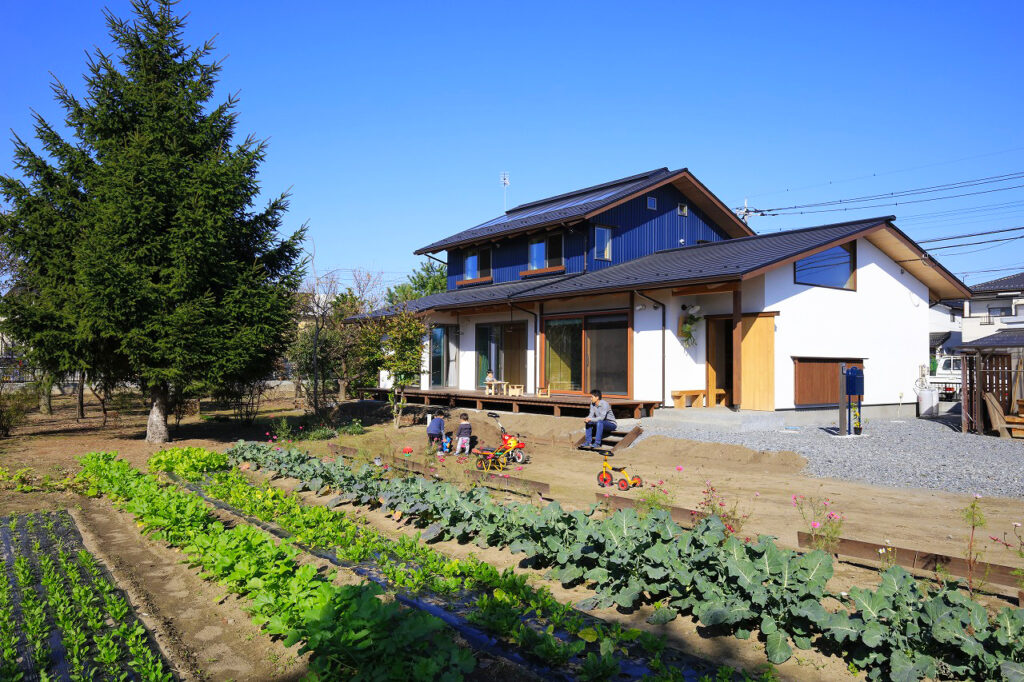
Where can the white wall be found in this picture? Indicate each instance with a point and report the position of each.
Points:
(885, 321)
(685, 367)
(978, 323)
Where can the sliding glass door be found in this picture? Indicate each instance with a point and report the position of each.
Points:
(587, 352)
(563, 354)
(608, 353)
(444, 353)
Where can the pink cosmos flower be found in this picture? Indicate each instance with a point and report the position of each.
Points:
(815, 524)
(1016, 525)
(757, 494)
(679, 468)
(519, 468)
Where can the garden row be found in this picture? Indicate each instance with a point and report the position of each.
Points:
(347, 630)
(565, 642)
(902, 630)
(60, 616)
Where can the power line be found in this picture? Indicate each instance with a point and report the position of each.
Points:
(930, 189)
(768, 212)
(965, 236)
(892, 172)
(984, 241)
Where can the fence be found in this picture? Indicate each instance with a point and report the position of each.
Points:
(1002, 375)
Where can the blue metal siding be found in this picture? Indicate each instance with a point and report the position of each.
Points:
(638, 231)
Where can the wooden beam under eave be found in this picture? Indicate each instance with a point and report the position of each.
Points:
(713, 288)
(737, 348)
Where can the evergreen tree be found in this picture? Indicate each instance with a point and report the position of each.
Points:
(138, 248)
(430, 278)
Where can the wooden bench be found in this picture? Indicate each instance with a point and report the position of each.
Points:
(696, 398)
(1007, 426)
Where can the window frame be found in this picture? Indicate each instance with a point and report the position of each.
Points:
(652, 203)
(609, 249)
(682, 210)
(548, 266)
(997, 311)
(851, 248)
(480, 276)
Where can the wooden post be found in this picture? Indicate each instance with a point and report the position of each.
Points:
(843, 398)
(964, 421)
(737, 347)
(979, 426)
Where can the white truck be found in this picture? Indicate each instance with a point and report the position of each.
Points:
(946, 378)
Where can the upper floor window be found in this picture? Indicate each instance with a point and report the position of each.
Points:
(477, 264)
(835, 268)
(545, 252)
(652, 203)
(603, 243)
(1000, 311)
(682, 209)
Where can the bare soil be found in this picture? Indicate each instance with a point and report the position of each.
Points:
(209, 640)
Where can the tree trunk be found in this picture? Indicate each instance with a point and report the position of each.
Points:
(316, 368)
(46, 394)
(156, 427)
(81, 395)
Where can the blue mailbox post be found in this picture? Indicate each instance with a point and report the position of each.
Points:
(854, 387)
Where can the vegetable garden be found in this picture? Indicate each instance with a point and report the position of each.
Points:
(61, 616)
(904, 629)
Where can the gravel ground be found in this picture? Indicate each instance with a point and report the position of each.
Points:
(917, 453)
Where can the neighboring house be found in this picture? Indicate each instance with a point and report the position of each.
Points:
(994, 306)
(597, 288)
(945, 327)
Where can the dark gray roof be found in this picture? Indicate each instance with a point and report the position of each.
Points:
(569, 206)
(1008, 283)
(725, 260)
(936, 339)
(484, 294)
(1005, 338)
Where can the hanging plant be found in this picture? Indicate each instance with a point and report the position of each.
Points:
(688, 322)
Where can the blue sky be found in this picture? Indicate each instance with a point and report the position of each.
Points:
(391, 122)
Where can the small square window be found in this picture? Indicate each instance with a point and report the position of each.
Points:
(652, 203)
(682, 209)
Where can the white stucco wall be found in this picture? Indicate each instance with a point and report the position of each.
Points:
(885, 321)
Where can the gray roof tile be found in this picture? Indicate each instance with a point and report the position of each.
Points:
(1008, 283)
(1005, 338)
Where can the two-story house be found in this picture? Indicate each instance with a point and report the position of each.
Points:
(650, 284)
(995, 306)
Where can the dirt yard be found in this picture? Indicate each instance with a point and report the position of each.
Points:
(205, 639)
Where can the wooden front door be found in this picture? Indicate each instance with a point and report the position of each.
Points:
(758, 363)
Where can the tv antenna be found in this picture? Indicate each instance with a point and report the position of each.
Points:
(504, 190)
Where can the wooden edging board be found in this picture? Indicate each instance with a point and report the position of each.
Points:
(682, 516)
(496, 481)
(920, 560)
(514, 484)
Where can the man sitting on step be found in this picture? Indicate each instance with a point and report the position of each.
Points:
(601, 420)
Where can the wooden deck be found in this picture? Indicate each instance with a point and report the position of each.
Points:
(480, 400)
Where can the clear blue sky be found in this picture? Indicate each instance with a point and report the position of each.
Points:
(391, 122)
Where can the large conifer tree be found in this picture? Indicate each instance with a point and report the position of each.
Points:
(138, 250)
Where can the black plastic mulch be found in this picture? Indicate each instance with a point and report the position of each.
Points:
(20, 541)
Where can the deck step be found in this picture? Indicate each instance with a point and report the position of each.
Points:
(616, 440)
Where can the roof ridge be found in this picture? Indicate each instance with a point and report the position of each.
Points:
(566, 195)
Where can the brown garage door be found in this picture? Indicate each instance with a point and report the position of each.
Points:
(817, 380)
